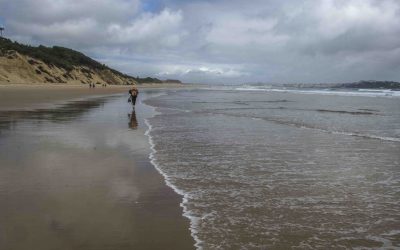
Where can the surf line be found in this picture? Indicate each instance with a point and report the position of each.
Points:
(194, 220)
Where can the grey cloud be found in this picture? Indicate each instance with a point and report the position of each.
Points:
(50, 11)
(223, 40)
(87, 24)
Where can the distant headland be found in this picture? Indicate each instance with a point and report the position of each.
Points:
(370, 84)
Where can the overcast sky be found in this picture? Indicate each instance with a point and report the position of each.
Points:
(221, 41)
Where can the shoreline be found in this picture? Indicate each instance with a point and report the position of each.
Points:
(184, 196)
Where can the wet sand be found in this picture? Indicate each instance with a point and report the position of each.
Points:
(78, 177)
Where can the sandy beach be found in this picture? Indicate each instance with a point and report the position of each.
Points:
(207, 125)
(76, 175)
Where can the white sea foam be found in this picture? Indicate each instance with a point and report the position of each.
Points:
(305, 126)
(185, 196)
(359, 92)
(367, 136)
(383, 138)
(257, 178)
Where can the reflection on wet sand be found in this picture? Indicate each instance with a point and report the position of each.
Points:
(133, 124)
(63, 185)
(68, 112)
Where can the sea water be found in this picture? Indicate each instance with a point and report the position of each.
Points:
(262, 169)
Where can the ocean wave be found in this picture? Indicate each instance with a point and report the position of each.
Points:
(355, 134)
(359, 92)
(214, 170)
(308, 126)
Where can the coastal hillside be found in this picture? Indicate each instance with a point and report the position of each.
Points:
(27, 64)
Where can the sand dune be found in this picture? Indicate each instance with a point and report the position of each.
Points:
(18, 68)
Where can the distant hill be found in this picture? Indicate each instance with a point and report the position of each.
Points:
(155, 80)
(172, 81)
(370, 85)
(355, 85)
(21, 63)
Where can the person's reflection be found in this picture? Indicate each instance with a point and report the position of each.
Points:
(133, 124)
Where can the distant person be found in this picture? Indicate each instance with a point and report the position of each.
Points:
(133, 93)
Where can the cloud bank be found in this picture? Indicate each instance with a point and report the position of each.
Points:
(221, 41)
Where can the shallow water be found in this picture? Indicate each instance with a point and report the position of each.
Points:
(282, 169)
(78, 177)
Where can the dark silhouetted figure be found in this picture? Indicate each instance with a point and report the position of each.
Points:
(133, 93)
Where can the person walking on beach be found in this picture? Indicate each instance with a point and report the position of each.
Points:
(133, 95)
